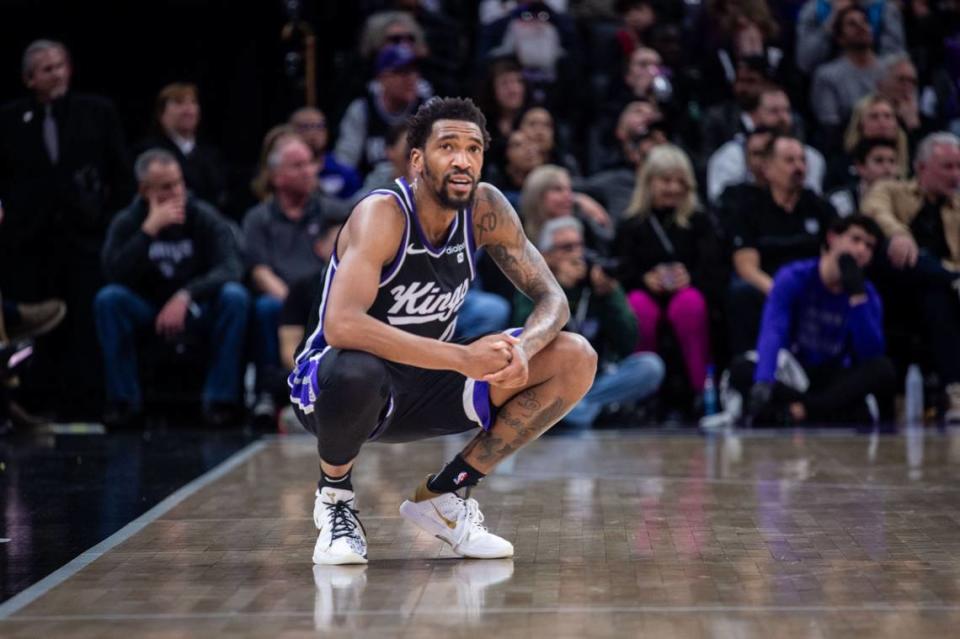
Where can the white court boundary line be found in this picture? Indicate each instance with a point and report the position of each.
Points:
(84, 559)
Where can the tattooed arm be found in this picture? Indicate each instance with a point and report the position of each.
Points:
(498, 229)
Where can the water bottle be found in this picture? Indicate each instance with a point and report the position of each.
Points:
(709, 393)
(913, 395)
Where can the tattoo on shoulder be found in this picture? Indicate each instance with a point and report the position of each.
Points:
(494, 210)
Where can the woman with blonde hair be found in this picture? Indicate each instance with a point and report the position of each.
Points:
(874, 116)
(260, 185)
(669, 254)
(547, 195)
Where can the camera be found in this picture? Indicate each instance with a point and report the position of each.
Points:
(611, 266)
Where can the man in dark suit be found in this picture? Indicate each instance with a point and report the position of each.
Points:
(63, 170)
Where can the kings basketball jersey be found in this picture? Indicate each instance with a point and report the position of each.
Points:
(420, 290)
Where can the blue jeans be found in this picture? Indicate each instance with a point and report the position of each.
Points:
(482, 313)
(635, 378)
(121, 314)
(266, 326)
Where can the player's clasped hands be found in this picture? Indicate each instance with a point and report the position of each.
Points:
(498, 359)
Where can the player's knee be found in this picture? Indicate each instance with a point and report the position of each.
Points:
(578, 359)
(359, 373)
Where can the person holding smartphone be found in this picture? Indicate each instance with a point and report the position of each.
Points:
(669, 254)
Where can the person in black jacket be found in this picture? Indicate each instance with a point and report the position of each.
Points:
(173, 266)
(175, 129)
(669, 255)
(63, 172)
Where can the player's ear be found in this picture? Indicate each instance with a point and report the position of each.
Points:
(416, 160)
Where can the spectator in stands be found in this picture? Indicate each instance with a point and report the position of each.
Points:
(725, 120)
(921, 219)
(839, 84)
(643, 76)
(502, 98)
(637, 18)
(668, 254)
(520, 158)
(63, 172)
(397, 164)
(874, 159)
(873, 117)
(443, 26)
(637, 134)
(544, 41)
(745, 195)
(539, 126)
(728, 165)
(784, 224)
(174, 267)
(391, 28)
(177, 120)
(815, 29)
(823, 323)
(900, 84)
(279, 235)
(490, 11)
(335, 179)
(729, 34)
(548, 194)
(389, 100)
(598, 311)
(295, 314)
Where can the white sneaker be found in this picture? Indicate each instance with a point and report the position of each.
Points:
(342, 539)
(456, 521)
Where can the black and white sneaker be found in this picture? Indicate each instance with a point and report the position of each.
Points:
(342, 539)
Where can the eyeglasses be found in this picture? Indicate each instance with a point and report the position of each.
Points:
(401, 38)
(529, 16)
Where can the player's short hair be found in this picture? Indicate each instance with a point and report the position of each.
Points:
(421, 123)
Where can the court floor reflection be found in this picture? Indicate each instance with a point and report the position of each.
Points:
(618, 534)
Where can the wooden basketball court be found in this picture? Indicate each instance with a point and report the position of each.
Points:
(617, 534)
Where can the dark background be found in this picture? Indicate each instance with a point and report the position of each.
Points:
(128, 50)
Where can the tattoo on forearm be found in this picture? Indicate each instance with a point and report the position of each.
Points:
(522, 263)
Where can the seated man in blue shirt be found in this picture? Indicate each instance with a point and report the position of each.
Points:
(822, 315)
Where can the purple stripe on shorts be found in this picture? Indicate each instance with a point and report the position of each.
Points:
(481, 403)
(486, 411)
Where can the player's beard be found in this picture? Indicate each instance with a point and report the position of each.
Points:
(440, 191)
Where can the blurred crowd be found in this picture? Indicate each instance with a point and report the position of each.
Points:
(752, 206)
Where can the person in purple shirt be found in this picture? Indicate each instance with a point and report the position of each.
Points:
(821, 347)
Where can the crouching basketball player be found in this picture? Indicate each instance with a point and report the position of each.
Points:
(378, 363)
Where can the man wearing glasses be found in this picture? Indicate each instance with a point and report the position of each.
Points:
(335, 179)
(600, 313)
